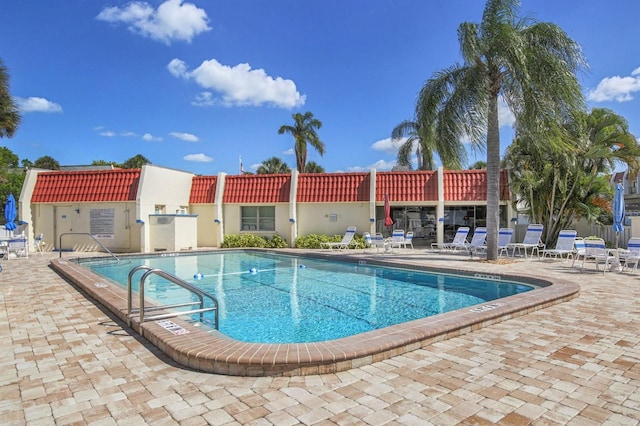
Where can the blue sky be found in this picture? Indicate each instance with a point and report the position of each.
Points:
(196, 84)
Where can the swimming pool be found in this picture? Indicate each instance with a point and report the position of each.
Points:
(215, 352)
(276, 298)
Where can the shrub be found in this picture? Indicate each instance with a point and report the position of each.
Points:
(252, 240)
(314, 241)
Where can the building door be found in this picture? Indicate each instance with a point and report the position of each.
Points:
(63, 223)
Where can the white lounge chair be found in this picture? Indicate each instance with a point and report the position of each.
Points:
(596, 250)
(632, 255)
(408, 240)
(379, 242)
(578, 250)
(19, 247)
(504, 240)
(347, 240)
(564, 245)
(397, 239)
(532, 240)
(38, 243)
(459, 241)
(477, 243)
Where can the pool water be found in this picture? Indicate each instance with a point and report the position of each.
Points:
(274, 298)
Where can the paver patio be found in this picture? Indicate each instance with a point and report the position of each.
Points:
(64, 360)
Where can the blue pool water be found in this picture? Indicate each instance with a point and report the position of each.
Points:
(273, 298)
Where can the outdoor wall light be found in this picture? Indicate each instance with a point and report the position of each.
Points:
(217, 221)
(372, 219)
(140, 221)
(441, 219)
(292, 220)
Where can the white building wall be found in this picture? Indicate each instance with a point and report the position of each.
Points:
(160, 187)
(333, 218)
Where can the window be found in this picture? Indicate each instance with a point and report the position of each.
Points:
(182, 210)
(159, 209)
(258, 218)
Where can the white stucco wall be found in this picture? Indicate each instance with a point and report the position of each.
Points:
(173, 232)
(207, 227)
(232, 219)
(316, 218)
(160, 186)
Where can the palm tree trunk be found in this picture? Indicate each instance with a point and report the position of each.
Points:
(493, 178)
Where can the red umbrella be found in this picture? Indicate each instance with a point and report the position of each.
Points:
(387, 212)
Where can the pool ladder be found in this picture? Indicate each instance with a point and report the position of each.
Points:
(144, 312)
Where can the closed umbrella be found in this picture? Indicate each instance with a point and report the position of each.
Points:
(387, 211)
(10, 213)
(618, 210)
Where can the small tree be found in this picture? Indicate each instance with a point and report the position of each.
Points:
(304, 132)
(272, 166)
(46, 162)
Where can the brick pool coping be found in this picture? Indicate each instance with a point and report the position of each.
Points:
(213, 352)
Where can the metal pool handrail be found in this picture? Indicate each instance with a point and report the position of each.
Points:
(142, 310)
(90, 236)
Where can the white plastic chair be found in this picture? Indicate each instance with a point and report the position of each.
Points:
(38, 243)
(477, 243)
(397, 239)
(408, 240)
(596, 250)
(632, 255)
(564, 245)
(347, 240)
(459, 241)
(532, 240)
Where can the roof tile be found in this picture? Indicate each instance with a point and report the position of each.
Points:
(203, 190)
(86, 186)
(333, 187)
(471, 185)
(407, 186)
(257, 188)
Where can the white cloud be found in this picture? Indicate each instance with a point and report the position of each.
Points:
(378, 165)
(150, 138)
(386, 145)
(238, 85)
(187, 137)
(173, 20)
(35, 104)
(290, 151)
(616, 88)
(108, 134)
(198, 158)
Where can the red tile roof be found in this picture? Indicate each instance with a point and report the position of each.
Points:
(257, 189)
(471, 185)
(407, 186)
(333, 187)
(79, 186)
(203, 190)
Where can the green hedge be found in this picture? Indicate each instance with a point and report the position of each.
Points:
(252, 240)
(314, 241)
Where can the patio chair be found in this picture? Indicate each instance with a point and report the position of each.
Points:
(347, 240)
(459, 241)
(631, 256)
(379, 242)
(596, 250)
(4, 249)
(564, 245)
(38, 243)
(397, 239)
(19, 247)
(532, 240)
(504, 240)
(579, 250)
(477, 243)
(408, 240)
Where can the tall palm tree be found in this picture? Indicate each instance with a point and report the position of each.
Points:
(531, 65)
(452, 155)
(9, 115)
(304, 132)
(272, 166)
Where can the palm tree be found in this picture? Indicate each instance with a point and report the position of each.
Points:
(313, 167)
(425, 146)
(272, 166)
(531, 65)
(9, 115)
(566, 181)
(304, 131)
